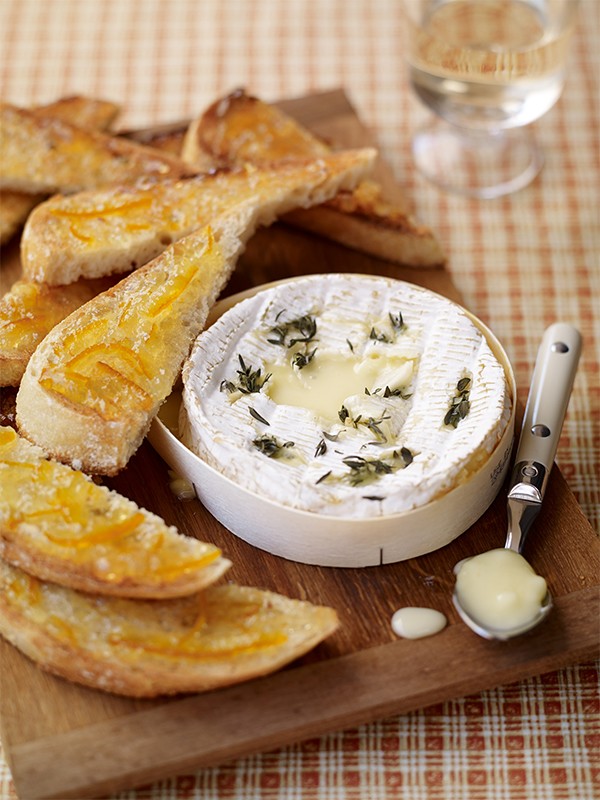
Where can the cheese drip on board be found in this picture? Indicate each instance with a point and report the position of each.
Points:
(345, 395)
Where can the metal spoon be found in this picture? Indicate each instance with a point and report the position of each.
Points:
(551, 385)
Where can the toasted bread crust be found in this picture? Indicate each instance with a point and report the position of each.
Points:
(58, 525)
(224, 635)
(401, 242)
(240, 129)
(81, 158)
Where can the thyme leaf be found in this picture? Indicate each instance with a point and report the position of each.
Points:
(379, 336)
(460, 405)
(397, 322)
(407, 456)
(257, 416)
(321, 448)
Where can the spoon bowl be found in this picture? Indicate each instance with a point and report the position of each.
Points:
(487, 631)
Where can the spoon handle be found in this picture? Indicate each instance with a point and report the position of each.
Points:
(551, 385)
(547, 403)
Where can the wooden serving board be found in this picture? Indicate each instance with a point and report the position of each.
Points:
(64, 741)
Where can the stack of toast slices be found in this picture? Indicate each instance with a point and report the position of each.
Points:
(125, 247)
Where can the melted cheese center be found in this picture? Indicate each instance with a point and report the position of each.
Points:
(324, 384)
(500, 589)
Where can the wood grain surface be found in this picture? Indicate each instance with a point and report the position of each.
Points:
(64, 741)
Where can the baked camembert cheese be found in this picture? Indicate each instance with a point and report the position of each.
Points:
(345, 395)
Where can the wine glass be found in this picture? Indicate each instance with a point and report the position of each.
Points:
(487, 68)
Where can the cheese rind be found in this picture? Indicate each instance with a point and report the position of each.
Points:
(370, 440)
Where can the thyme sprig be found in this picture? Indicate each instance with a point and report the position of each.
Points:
(398, 325)
(387, 392)
(283, 333)
(372, 423)
(366, 470)
(301, 330)
(271, 446)
(300, 360)
(460, 405)
(249, 380)
(399, 392)
(374, 426)
(379, 336)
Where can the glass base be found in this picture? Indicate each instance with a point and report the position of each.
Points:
(476, 164)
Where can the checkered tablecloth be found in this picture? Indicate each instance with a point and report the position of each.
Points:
(520, 263)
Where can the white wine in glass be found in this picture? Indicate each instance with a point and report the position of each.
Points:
(487, 69)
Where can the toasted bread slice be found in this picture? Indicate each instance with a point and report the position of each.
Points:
(114, 230)
(85, 111)
(94, 384)
(57, 524)
(241, 129)
(44, 154)
(366, 222)
(28, 311)
(221, 636)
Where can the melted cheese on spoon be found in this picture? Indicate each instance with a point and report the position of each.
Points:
(499, 589)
